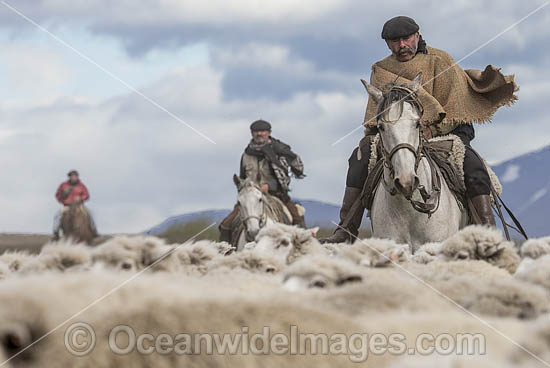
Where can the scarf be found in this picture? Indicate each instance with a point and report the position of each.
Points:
(455, 96)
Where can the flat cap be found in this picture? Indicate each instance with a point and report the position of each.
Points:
(398, 27)
(259, 125)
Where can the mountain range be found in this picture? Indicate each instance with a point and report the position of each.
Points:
(526, 190)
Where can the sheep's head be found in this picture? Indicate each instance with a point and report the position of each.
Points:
(284, 242)
(321, 273)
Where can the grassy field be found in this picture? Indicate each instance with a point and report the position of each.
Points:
(182, 233)
(29, 242)
(176, 234)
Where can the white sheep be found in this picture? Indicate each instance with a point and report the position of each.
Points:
(59, 256)
(194, 258)
(480, 242)
(535, 248)
(373, 252)
(15, 259)
(250, 260)
(536, 272)
(320, 272)
(134, 253)
(483, 288)
(286, 242)
(156, 304)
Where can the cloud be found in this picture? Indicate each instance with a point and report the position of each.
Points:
(295, 64)
(136, 159)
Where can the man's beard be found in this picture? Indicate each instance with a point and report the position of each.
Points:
(406, 50)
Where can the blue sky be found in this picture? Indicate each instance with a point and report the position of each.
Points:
(219, 66)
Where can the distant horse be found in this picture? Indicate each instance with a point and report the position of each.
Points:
(75, 223)
(256, 210)
(412, 203)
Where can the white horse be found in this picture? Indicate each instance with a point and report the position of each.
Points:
(257, 210)
(409, 206)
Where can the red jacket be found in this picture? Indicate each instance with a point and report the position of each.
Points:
(79, 190)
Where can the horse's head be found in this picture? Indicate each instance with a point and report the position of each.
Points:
(252, 208)
(399, 113)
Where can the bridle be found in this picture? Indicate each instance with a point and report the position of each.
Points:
(262, 219)
(431, 201)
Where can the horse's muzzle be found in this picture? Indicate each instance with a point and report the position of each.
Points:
(406, 187)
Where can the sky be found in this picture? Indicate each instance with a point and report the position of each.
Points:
(151, 100)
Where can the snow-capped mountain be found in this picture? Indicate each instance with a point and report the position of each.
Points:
(526, 189)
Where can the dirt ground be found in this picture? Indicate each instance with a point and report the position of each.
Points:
(31, 242)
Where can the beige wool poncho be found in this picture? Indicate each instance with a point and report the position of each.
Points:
(450, 95)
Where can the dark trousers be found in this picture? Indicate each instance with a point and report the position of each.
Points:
(476, 178)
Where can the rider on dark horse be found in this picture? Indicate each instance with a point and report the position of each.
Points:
(70, 192)
(266, 160)
(451, 104)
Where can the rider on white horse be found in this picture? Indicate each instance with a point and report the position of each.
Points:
(69, 192)
(451, 104)
(266, 160)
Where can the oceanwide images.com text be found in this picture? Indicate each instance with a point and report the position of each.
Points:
(80, 340)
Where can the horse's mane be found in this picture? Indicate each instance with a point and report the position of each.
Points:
(395, 93)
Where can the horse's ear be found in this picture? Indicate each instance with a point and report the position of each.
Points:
(374, 92)
(417, 82)
(236, 180)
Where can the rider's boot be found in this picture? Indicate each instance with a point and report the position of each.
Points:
(482, 205)
(340, 234)
(225, 234)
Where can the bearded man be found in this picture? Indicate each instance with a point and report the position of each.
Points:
(452, 99)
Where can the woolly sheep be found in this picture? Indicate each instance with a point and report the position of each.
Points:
(194, 258)
(536, 341)
(427, 253)
(59, 256)
(480, 242)
(482, 288)
(134, 253)
(320, 272)
(535, 248)
(16, 259)
(286, 242)
(536, 272)
(4, 270)
(373, 252)
(154, 304)
(248, 260)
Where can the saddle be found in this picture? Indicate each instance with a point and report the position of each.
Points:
(446, 152)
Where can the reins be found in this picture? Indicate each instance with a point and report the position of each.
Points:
(431, 200)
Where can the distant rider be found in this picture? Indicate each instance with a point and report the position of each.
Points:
(72, 191)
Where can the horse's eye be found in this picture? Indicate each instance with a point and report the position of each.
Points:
(381, 127)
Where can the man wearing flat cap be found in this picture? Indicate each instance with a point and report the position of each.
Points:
(267, 161)
(452, 99)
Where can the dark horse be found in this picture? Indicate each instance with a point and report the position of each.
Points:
(75, 223)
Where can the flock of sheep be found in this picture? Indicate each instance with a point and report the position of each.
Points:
(474, 282)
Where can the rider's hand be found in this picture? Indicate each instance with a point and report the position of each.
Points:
(265, 188)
